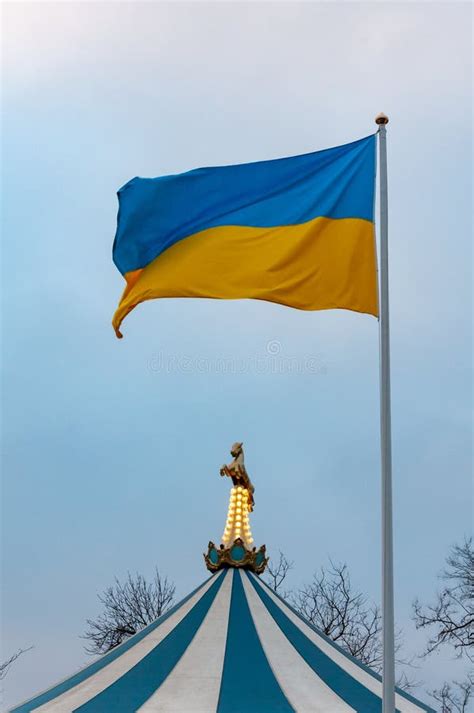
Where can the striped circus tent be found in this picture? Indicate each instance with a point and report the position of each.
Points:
(231, 646)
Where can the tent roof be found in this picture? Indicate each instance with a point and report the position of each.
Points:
(231, 646)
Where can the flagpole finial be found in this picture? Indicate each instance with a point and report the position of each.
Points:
(381, 118)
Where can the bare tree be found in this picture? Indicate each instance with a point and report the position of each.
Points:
(455, 697)
(450, 618)
(5, 665)
(330, 603)
(276, 573)
(127, 608)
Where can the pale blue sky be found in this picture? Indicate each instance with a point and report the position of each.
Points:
(111, 460)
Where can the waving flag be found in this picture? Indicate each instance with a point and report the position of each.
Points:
(298, 231)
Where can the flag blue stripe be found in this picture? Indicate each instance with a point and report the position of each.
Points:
(155, 213)
(248, 683)
(132, 689)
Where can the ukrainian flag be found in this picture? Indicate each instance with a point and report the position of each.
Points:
(298, 231)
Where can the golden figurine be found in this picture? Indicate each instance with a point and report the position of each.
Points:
(236, 548)
(237, 471)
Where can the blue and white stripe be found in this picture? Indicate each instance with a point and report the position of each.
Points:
(232, 646)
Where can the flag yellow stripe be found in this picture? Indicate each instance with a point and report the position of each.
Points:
(322, 264)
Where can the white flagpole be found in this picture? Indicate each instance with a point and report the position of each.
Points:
(388, 676)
